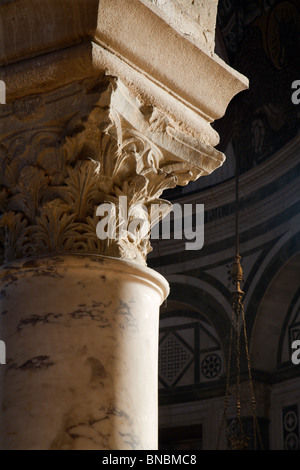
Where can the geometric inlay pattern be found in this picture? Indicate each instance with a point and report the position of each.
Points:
(173, 358)
(290, 423)
(291, 442)
(211, 366)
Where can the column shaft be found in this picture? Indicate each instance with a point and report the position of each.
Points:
(82, 341)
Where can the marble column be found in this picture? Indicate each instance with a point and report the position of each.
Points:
(81, 332)
(93, 114)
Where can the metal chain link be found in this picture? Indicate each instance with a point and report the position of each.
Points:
(226, 399)
(253, 400)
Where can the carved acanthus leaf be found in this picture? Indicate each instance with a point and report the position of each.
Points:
(81, 190)
(52, 180)
(13, 236)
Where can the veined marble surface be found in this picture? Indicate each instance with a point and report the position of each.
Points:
(81, 336)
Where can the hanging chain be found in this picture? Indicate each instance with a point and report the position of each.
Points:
(226, 400)
(238, 440)
(256, 430)
(238, 366)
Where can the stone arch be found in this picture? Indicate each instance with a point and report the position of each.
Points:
(271, 315)
(197, 299)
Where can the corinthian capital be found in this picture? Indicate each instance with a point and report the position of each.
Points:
(99, 121)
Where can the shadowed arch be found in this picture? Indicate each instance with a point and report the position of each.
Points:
(201, 304)
(271, 315)
(267, 276)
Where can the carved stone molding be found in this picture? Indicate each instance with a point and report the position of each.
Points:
(96, 142)
(97, 33)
